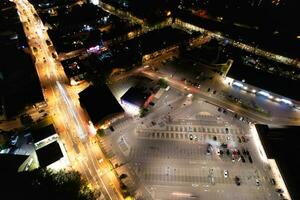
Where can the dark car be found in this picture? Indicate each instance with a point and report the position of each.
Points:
(53, 55)
(226, 130)
(247, 152)
(48, 42)
(237, 180)
(243, 139)
(272, 180)
(228, 152)
(279, 190)
(151, 103)
(250, 159)
(243, 159)
(111, 128)
(239, 139)
(224, 145)
(244, 151)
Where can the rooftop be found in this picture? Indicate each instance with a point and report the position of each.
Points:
(49, 154)
(275, 140)
(264, 80)
(135, 96)
(42, 133)
(99, 102)
(10, 162)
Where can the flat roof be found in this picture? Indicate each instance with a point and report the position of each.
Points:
(282, 144)
(99, 102)
(135, 96)
(264, 80)
(11, 162)
(42, 133)
(49, 154)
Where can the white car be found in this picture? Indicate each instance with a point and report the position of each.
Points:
(225, 173)
(257, 182)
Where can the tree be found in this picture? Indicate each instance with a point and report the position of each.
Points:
(100, 132)
(162, 83)
(45, 184)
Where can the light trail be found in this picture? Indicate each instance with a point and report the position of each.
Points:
(79, 129)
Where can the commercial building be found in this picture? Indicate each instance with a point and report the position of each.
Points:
(12, 163)
(44, 136)
(271, 86)
(100, 104)
(275, 140)
(135, 99)
(51, 156)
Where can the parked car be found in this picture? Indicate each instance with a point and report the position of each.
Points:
(243, 159)
(237, 180)
(257, 182)
(151, 103)
(48, 42)
(111, 128)
(272, 180)
(243, 139)
(250, 159)
(239, 139)
(225, 173)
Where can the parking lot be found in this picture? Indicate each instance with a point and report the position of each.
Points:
(185, 148)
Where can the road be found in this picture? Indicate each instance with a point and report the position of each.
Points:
(70, 120)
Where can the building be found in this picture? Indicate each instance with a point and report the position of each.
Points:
(44, 136)
(135, 99)
(100, 104)
(282, 145)
(262, 83)
(51, 156)
(13, 163)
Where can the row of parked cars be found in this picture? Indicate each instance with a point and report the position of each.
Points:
(237, 181)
